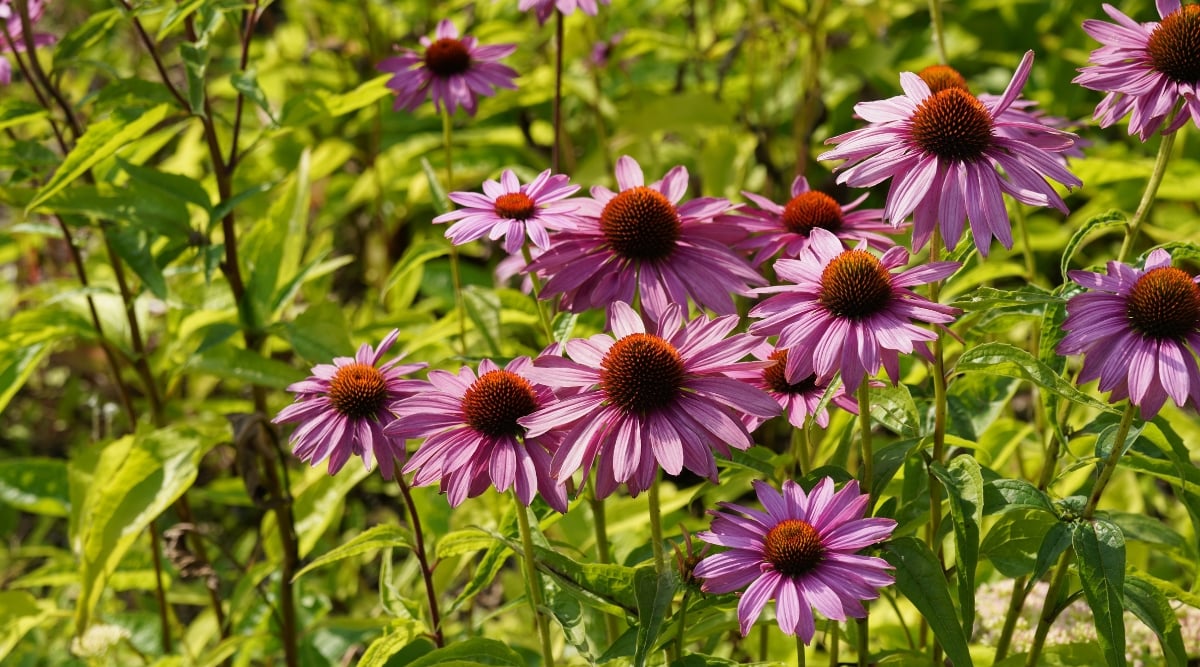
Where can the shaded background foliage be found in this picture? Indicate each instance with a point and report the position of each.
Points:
(334, 193)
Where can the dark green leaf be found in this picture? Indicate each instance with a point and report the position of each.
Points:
(1013, 540)
(1057, 539)
(320, 333)
(441, 203)
(893, 407)
(919, 578)
(1149, 604)
(246, 83)
(195, 62)
(654, 591)
(15, 112)
(172, 185)
(964, 482)
(1006, 494)
(238, 363)
(474, 651)
(1100, 550)
(1109, 219)
(92, 31)
(35, 485)
(134, 247)
(988, 298)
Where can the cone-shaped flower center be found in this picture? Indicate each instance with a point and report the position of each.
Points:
(494, 403)
(1174, 46)
(855, 285)
(793, 547)
(809, 210)
(357, 390)
(640, 223)
(447, 57)
(515, 206)
(775, 376)
(954, 125)
(641, 373)
(1164, 303)
(941, 77)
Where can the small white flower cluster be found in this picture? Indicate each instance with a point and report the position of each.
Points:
(1074, 625)
(98, 640)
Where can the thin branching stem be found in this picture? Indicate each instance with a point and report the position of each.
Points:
(435, 616)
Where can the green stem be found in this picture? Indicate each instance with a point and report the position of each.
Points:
(933, 529)
(455, 277)
(764, 642)
(556, 148)
(533, 581)
(435, 618)
(600, 526)
(801, 453)
(537, 296)
(1015, 604)
(1018, 214)
(1049, 608)
(1143, 210)
(801, 658)
(656, 534)
(834, 644)
(864, 653)
(939, 35)
(867, 474)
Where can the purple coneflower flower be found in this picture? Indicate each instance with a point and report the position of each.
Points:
(942, 150)
(1146, 68)
(472, 438)
(12, 38)
(645, 400)
(637, 241)
(454, 70)
(1138, 332)
(799, 400)
(800, 552)
(343, 407)
(849, 310)
(507, 208)
(787, 227)
(546, 7)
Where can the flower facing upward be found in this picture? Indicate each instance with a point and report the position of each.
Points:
(942, 151)
(1146, 68)
(453, 70)
(12, 37)
(546, 7)
(800, 552)
(849, 310)
(472, 438)
(1138, 332)
(649, 399)
(507, 208)
(343, 408)
(787, 227)
(642, 241)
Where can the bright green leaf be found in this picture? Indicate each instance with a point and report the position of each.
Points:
(1010, 361)
(371, 539)
(36, 485)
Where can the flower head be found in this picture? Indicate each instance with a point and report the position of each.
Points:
(472, 438)
(801, 551)
(648, 398)
(642, 241)
(786, 227)
(850, 310)
(800, 399)
(546, 7)
(453, 70)
(1146, 68)
(507, 208)
(12, 33)
(342, 409)
(1139, 332)
(942, 151)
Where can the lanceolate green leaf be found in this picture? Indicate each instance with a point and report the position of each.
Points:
(118, 491)
(36, 485)
(1011, 361)
(1104, 220)
(371, 539)
(654, 591)
(381, 650)
(474, 651)
(1149, 604)
(1005, 494)
(101, 140)
(1100, 550)
(919, 578)
(964, 484)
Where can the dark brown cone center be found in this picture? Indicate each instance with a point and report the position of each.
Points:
(855, 285)
(640, 223)
(809, 210)
(494, 403)
(641, 373)
(447, 57)
(1164, 303)
(357, 390)
(793, 547)
(515, 206)
(953, 124)
(941, 77)
(1174, 46)
(775, 377)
